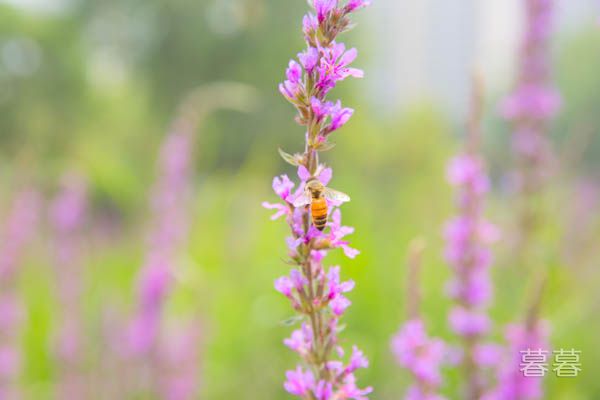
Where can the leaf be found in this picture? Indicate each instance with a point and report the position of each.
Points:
(294, 160)
(324, 146)
(292, 320)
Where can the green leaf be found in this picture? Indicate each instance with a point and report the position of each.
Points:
(294, 160)
(324, 146)
(292, 320)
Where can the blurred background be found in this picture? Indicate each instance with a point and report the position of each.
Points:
(89, 91)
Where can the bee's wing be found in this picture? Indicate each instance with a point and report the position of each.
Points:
(302, 200)
(334, 195)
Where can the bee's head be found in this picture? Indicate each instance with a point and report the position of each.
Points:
(314, 186)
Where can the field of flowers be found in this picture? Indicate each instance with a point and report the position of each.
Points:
(209, 200)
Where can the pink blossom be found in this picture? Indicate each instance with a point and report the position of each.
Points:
(284, 285)
(357, 360)
(349, 390)
(339, 304)
(334, 66)
(323, 8)
(354, 5)
(309, 59)
(468, 323)
(300, 341)
(512, 384)
(299, 382)
(324, 390)
(531, 101)
(415, 351)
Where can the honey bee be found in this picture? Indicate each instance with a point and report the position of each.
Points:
(316, 194)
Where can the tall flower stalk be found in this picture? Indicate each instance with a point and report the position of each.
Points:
(19, 227)
(146, 340)
(315, 293)
(467, 238)
(412, 347)
(529, 335)
(530, 107)
(67, 217)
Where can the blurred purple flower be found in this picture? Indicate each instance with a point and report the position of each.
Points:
(67, 218)
(511, 381)
(19, 228)
(299, 382)
(418, 353)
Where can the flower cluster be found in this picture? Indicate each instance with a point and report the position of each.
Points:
(318, 294)
(422, 356)
(67, 216)
(315, 292)
(20, 226)
(146, 341)
(534, 101)
(318, 69)
(168, 202)
(467, 236)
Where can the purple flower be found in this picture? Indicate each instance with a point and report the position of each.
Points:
(67, 217)
(531, 101)
(335, 287)
(324, 175)
(354, 5)
(298, 279)
(310, 25)
(316, 294)
(324, 390)
(466, 170)
(294, 72)
(339, 304)
(299, 382)
(323, 8)
(357, 360)
(415, 351)
(532, 104)
(300, 341)
(290, 90)
(309, 59)
(349, 390)
(338, 232)
(281, 209)
(20, 225)
(468, 323)
(512, 383)
(283, 187)
(284, 285)
(334, 66)
(339, 117)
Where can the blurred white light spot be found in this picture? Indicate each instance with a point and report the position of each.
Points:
(41, 6)
(106, 68)
(226, 17)
(20, 56)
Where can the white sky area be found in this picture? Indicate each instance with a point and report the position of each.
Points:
(425, 50)
(43, 6)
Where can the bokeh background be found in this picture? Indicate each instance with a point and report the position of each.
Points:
(92, 87)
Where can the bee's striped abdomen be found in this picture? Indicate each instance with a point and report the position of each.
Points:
(318, 209)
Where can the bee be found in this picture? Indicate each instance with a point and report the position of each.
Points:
(316, 194)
